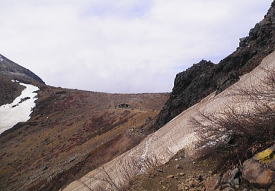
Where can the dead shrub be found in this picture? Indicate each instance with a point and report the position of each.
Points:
(250, 125)
(127, 171)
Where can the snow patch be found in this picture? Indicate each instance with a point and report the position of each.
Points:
(20, 109)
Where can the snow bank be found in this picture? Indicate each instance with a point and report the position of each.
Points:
(19, 110)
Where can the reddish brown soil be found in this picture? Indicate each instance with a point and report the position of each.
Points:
(70, 133)
(9, 90)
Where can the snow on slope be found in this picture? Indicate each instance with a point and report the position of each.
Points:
(19, 110)
(176, 135)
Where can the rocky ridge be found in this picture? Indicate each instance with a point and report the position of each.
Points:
(201, 79)
(14, 71)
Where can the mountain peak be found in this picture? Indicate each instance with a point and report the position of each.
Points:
(14, 71)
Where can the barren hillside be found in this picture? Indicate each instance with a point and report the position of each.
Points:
(179, 134)
(70, 133)
(203, 90)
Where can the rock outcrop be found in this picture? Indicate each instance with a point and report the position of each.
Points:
(204, 78)
(190, 86)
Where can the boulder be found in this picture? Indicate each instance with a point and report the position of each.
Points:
(260, 169)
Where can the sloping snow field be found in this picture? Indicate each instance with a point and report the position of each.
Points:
(175, 135)
(20, 109)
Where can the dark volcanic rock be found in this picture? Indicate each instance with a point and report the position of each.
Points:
(189, 87)
(14, 71)
(204, 78)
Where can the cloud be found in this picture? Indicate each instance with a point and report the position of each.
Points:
(126, 9)
(122, 45)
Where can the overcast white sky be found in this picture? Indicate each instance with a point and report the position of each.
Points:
(122, 45)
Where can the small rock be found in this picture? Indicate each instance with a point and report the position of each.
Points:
(223, 186)
(181, 174)
(200, 178)
(178, 166)
(256, 173)
(235, 172)
(44, 168)
(236, 182)
(230, 175)
(159, 170)
(228, 189)
(212, 183)
(170, 176)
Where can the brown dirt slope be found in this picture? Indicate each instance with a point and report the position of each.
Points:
(70, 133)
(9, 90)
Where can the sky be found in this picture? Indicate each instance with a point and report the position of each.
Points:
(122, 46)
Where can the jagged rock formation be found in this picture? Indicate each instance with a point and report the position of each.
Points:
(190, 86)
(203, 78)
(14, 71)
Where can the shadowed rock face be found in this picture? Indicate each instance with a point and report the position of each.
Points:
(204, 78)
(189, 87)
(14, 71)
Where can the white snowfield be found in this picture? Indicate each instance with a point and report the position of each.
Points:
(176, 135)
(11, 114)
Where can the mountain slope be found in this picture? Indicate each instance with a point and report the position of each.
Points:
(12, 71)
(179, 134)
(17, 72)
(210, 88)
(70, 133)
(204, 78)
